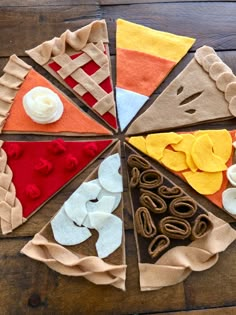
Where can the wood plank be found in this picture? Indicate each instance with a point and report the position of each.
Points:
(41, 3)
(120, 2)
(33, 284)
(203, 21)
(25, 27)
(209, 311)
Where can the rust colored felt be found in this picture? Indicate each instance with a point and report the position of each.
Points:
(147, 71)
(73, 120)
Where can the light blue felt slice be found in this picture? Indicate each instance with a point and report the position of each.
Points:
(128, 104)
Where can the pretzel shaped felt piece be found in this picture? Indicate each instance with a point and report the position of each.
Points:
(150, 179)
(135, 174)
(158, 245)
(176, 228)
(201, 227)
(183, 207)
(170, 192)
(144, 223)
(152, 201)
(138, 161)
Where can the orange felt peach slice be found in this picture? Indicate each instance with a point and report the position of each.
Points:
(204, 183)
(203, 156)
(157, 142)
(185, 145)
(175, 161)
(222, 142)
(138, 142)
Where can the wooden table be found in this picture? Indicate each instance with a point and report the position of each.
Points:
(30, 287)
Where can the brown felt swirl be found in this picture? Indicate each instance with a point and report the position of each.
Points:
(202, 225)
(152, 201)
(183, 207)
(134, 181)
(150, 179)
(158, 244)
(170, 192)
(176, 228)
(138, 161)
(144, 224)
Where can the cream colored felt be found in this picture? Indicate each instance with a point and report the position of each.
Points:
(66, 232)
(229, 200)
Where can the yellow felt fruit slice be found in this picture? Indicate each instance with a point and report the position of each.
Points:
(222, 142)
(157, 142)
(185, 145)
(175, 161)
(203, 182)
(138, 142)
(203, 156)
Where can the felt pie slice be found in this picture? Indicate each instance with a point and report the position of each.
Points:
(86, 236)
(33, 172)
(174, 234)
(204, 91)
(203, 158)
(144, 58)
(80, 60)
(31, 104)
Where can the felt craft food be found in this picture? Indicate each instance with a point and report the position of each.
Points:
(33, 172)
(205, 163)
(144, 57)
(86, 236)
(25, 108)
(204, 91)
(183, 238)
(80, 60)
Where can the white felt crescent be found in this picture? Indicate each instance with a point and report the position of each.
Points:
(109, 228)
(231, 174)
(75, 206)
(229, 200)
(66, 232)
(108, 174)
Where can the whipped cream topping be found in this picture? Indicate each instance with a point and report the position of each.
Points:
(42, 105)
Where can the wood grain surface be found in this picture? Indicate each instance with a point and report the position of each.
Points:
(30, 287)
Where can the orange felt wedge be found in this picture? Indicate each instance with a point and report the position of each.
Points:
(204, 183)
(157, 142)
(222, 142)
(73, 119)
(203, 156)
(147, 71)
(176, 161)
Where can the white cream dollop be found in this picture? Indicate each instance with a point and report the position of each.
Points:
(42, 105)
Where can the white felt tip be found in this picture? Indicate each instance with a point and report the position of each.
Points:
(75, 206)
(231, 174)
(109, 228)
(229, 200)
(66, 232)
(108, 174)
(128, 104)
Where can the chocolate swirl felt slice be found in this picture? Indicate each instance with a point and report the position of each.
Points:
(138, 161)
(183, 207)
(202, 225)
(170, 192)
(144, 223)
(158, 245)
(176, 228)
(135, 174)
(150, 179)
(152, 201)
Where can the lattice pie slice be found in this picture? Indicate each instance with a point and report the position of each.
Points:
(31, 104)
(33, 172)
(203, 91)
(86, 238)
(80, 60)
(174, 234)
(204, 159)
